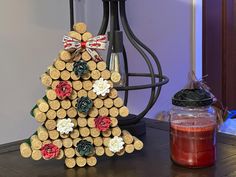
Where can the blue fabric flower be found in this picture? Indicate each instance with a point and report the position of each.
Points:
(80, 67)
(84, 148)
(84, 104)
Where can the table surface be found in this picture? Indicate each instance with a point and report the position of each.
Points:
(152, 161)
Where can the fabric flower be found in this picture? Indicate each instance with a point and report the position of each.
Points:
(84, 148)
(49, 151)
(101, 87)
(63, 90)
(116, 144)
(102, 123)
(84, 104)
(80, 67)
(65, 126)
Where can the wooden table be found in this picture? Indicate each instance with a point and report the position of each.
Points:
(153, 161)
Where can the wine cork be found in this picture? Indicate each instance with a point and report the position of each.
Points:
(99, 151)
(65, 75)
(75, 35)
(86, 76)
(81, 114)
(86, 36)
(91, 122)
(82, 93)
(93, 112)
(113, 93)
(98, 141)
(92, 95)
(71, 112)
(69, 152)
(108, 152)
(106, 141)
(46, 142)
(78, 56)
(98, 103)
(114, 112)
(129, 148)
(114, 122)
(46, 80)
(60, 155)
(75, 141)
(25, 150)
(121, 152)
(101, 66)
(91, 161)
(42, 105)
(82, 122)
(51, 114)
(73, 95)
(65, 104)
(103, 111)
(95, 74)
(106, 133)
(74, 76)
(111, 84)
(36, 154)
(77, 85)
(35, 142)
(80, 27)
(86, 56)
(108, 103)
(106, 74)
(69, 66)
(65, 55)
(115, 77)
(138, 144)
(67, 142)
(116, 131)
(88, 138)
(51, 94)
(60, 65)
(61, 113)
(74, 121)
(39, 116)
(92, 65)
(118, 102)
(42, 133)
(94, 132)
(50, 124)
(54, 105)
(127, 137)
(84, 131)
(70, 162)
(53, 134)
(64, 136)
(74, 134)
(58, 143)
(123, 111)
(54, 84)
(80, 161)
(54, 73)
(87, 85)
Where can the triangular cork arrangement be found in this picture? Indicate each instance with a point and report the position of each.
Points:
(79, 111)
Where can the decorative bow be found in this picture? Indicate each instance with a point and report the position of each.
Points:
(98, 42)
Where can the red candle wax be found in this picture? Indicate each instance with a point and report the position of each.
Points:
(192, 141)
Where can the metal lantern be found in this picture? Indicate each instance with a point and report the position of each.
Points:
(114, 10)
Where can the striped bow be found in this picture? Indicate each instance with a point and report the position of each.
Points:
(98, 42)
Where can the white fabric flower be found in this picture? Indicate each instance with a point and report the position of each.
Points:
(101, 87)
(116, 144)
(65, 126)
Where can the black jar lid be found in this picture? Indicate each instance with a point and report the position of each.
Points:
(192, 98)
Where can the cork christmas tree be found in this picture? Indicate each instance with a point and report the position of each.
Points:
(79, 111)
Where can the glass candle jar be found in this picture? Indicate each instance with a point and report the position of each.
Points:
(193, 129)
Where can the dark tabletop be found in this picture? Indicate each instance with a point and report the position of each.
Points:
(152, 161)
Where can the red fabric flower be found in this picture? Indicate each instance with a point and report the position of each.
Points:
(49, 151)
(63, 90)
(102, 123)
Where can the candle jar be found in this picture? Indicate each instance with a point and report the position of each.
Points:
(193, 129)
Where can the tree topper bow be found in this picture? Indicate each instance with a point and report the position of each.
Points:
(98, 42)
